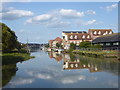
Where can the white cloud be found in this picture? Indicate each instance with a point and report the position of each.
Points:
(39, 19)
(61, 18)
(20, 81)
(86, 23)
(57, 23)
(72, 79)
(48, 20)
(110, 8)
(90, 22)
(69, 13)
(55, 76)
(90, 12)
(12, 13)
(40, 75)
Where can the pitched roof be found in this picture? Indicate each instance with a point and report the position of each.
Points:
(58, 39)
(99, 32)
(79, 36)
(108, 38)
(74, 32)
(100, 29)
(51, 41)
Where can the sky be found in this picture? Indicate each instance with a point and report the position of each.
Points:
(42, 21)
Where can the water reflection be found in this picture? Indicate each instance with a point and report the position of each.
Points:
(72, 71)
(74, 61)
(57, 56)
(8, 71)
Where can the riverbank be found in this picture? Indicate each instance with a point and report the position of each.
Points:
(105, 54)
(10, 58)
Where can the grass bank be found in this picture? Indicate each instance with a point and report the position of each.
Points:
(105, 54)
(10, 58)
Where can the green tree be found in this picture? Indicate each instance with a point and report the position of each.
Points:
(18, 46)
(85, 44)
(96, 46)
(9, 39)
(72, 47)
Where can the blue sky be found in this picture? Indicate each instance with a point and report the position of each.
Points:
(42, 21)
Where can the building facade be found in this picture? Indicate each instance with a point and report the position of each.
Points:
(109, 42)
(99, 32)
(77, 37)
(52, 43)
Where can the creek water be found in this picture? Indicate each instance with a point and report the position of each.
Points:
(53, 70)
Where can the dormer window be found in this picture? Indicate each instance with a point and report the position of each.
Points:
(106, 32)
(71, 37)
(88, 36)
(75, 37)
(95, 32)
(83, 36)
(99, 32)
(110, 32)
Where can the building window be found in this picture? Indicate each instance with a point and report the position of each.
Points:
(101, 44)
(99, 32)
(83, 36)
(75, 37)
(88, 36)
(77, 41)
(107, 44)
(63, 37)
(110, 32)
(74, 42)
(106, 32)
(71, 37)
(117, 43)
(95, 32)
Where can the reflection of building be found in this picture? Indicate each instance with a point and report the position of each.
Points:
(52, 43)
(77, 64)
(56, 56)
(109, 42)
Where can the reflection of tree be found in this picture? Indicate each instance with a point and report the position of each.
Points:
(93, 64)
(72, 57)
(10, 59)
(109, 65)
(8, 71)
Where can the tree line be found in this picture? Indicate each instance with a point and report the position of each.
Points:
(9, 39)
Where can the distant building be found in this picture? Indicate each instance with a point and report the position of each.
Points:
(109, 42)
(52, 43)
(75, 37)
(99, 32)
